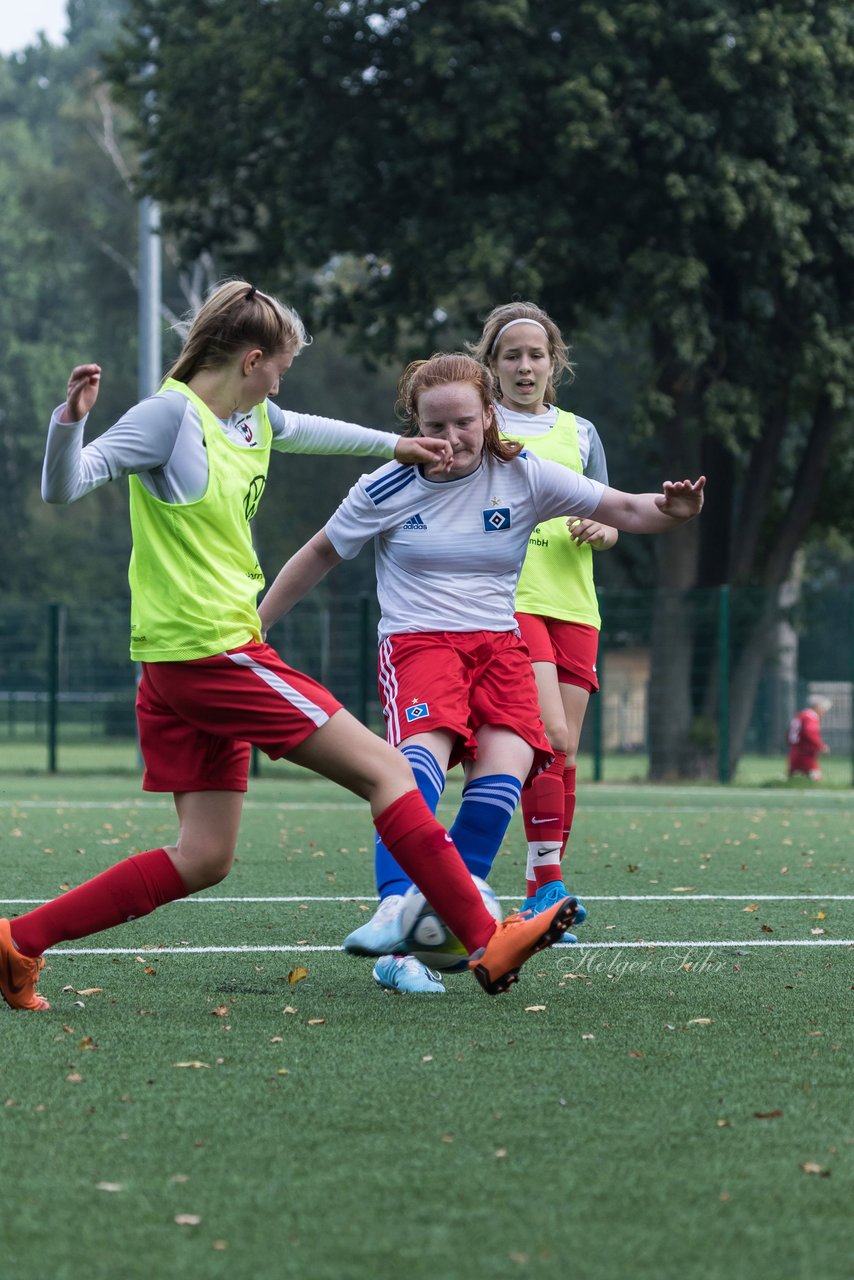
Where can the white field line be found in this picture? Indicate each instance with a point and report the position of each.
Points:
(202, 899)
(752, 800)
(299, 948)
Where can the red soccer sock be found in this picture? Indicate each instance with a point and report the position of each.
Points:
(568, 804)
(543, 803)
(542, 812)
(130, 889)
(429, 856)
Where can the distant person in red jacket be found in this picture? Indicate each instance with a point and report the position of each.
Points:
(805, 741)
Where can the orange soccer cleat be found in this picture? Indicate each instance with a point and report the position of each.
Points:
(515, 940)
(18, 974)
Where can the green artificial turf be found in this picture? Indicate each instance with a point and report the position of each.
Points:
(626, 1111)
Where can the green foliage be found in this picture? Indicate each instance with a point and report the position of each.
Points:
(687, 166)
(66, 219)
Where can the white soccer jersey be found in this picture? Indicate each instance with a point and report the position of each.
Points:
(448, 552)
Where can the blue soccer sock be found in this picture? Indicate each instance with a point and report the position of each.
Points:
(484, 816)
(390, 877)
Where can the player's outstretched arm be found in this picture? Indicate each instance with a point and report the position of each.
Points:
(296, 578)
(679, 500)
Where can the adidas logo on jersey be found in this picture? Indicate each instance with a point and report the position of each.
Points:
(414, 522)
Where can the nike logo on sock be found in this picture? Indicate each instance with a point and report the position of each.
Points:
(540, 821)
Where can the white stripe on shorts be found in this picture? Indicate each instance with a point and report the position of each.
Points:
(280, 686)
(389, 687)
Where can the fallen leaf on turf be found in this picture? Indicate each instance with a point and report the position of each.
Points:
(315, 1022)
(289, 1008)
(722, 1124)
(588, 1036)
(699, 1022)
(86, 991)
(766, 928)
(809, 1167)
(534, 1008)
(109, 1186)
(282, 1071)
(276, 1039)
(635, 1053)
(74, 1078)
(297, 975)
(501, 1153)
(88, 1043)
(447, 1137)
(754, 906)
(221, 1011)
(187, 1219)
(767, 1115)
(194, 1064)
(220, 1244)
(820, 915)
(815, 932)
(682, 888)
(428, 1057)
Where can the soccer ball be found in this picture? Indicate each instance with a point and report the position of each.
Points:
(429, 939)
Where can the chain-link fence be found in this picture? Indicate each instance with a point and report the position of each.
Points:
(692, 683)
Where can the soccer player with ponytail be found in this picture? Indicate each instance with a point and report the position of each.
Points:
(196, 457)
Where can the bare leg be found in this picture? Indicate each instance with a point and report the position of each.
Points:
(207, 839)
(348, 753)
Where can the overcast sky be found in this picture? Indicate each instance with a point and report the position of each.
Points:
(21, 21)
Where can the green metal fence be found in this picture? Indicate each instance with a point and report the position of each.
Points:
(692, 683)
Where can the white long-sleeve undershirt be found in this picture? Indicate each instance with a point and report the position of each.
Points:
(160, 440)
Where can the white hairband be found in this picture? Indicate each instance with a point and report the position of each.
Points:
(518, 320)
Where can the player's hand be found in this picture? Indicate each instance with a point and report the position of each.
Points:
(681, 499)
(437, 455)
(597, 535)
(82, 392)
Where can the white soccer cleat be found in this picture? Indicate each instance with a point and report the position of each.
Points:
(405, 973)
(382, 934)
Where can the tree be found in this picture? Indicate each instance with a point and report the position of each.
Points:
(686, 166)
(64, 300)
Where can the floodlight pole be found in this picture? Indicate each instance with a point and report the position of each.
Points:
(150, 357)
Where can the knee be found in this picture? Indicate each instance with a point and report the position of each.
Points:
(202, 868)
(558, 737)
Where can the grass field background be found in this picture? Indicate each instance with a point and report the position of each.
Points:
(670, 1098)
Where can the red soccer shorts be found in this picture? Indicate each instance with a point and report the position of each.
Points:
(459, 681)
(571, 646)
(197, 720)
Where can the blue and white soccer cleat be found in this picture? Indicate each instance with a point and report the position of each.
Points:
(548, 895)
(382, 934)
(405, 973)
